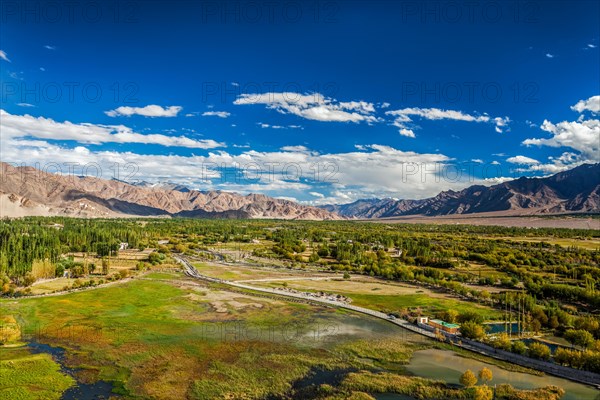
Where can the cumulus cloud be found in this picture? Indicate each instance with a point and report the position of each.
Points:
(313, 106)
(580, 138)
(373, 171)
(27, 126)
(147, 111)
(4, 56)
(405, 132)
(592, 104)
(220, 114)
(583, 136)
(404, 118)
(522, 160)
(548, 55)
(317, 194)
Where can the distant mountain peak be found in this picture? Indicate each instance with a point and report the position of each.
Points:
(574, 190)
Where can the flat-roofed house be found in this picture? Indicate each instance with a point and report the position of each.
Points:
(444, 326)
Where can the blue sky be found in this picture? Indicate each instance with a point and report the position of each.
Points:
(317, 101)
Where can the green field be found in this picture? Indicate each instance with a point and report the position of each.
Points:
(428, 304)
(30, 376)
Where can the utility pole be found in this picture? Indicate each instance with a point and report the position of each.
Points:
(510, 319)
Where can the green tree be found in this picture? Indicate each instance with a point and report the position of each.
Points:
(470, 316)
(579, 337)
(472, 330)
(518, 347)
(105, 266)
(450, 315)
(502, 341)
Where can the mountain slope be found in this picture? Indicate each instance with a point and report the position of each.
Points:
(575, 190)
(28, 191)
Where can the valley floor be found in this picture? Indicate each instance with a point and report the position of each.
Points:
(165, 336)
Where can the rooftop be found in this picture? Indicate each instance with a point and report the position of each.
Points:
(444, 323)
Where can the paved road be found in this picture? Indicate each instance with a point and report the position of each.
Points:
(553, 369)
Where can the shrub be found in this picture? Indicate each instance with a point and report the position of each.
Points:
(539, 350)
(518, 347)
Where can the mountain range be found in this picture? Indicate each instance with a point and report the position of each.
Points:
(575, 190)
(28, 191)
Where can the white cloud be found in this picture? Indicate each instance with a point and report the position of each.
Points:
(565, 161)
(522, 160)
(24, 126)
(50, 47)
(477, 160)
(25, 105)
(235, 84)
(406, 132)
(583, 136)
(591, 46)
(495, 162)
(549, 55)
(312, 106)
(4, 56)
(317, 194)
(592, 104)
(436, 113)
(502, 124)
(220, 114)
(42, 69)
(360, 106)
(264, 126)
(147, 111)
(376, 171)
(496, 180)
(294, 148)
(403, 118)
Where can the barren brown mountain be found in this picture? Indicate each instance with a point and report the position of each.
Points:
(576, 190)
(27, 191)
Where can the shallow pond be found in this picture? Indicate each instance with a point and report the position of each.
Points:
(97, 390)
(448, 366)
